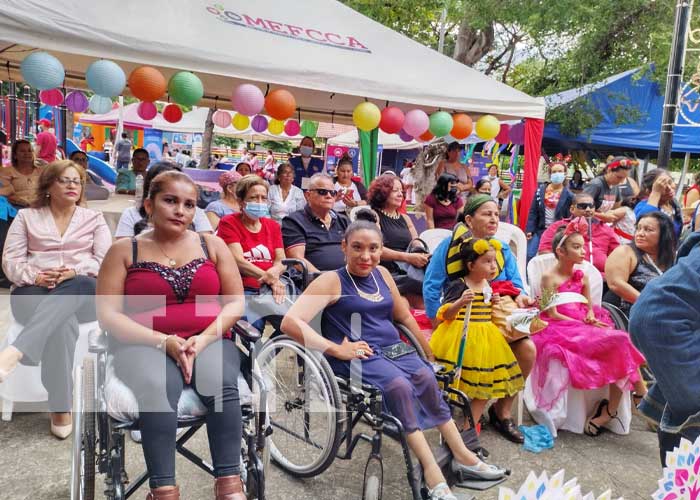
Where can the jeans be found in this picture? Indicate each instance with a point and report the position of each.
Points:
(122, 164)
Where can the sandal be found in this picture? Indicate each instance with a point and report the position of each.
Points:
(636, 400)
(591, 429)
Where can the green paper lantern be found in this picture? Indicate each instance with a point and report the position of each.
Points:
(441, 124)
(309, 128)
(185, 88)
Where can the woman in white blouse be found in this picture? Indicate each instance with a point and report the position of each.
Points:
(284, 196)
(52, 255)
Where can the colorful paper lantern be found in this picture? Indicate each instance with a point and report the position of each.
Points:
(275, 127)
(416, 122)
(487, 127)
(404, 136)
(172, 113)
(292, 128)
(392, 120)
(185, 88)
(259, 123)
(77, 102)
(247, 99)
(146, 110)
(503, 134)
(105, 78)
(516, 134)
(100, 104)
(280, 104)
(147, 83)
(366, 116)
(221, 118)
(440, 123)
(240, 122)
(42, 71)
(426, 136)
(309, 128)
(461, 126)
(51, 97)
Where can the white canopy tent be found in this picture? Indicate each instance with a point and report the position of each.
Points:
(328, 55)
(388, 141)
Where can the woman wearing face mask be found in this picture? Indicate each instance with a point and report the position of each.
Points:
(443, 204)
(552, 203)
(483, 186)
(452, 165)
(255, 240)
(305, 166)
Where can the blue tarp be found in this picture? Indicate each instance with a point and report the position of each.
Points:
(631, 88)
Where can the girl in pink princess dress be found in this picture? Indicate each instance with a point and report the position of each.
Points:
(580, 347)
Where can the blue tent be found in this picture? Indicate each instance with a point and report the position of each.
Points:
(631, 88)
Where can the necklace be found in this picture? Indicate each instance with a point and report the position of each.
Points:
(395, 215)
(171, 261)
(372, 297)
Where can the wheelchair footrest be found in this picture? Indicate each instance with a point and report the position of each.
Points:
(479, 484)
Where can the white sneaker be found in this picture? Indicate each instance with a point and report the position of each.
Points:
(441, 492)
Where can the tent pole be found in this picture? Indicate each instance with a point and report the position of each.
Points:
(12, 100)
(63, 111)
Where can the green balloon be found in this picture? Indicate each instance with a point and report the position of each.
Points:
(309, 128)
(185, 88)
(440, 124)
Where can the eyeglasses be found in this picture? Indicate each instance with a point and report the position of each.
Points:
(65, 181)
(584, 206)
(324, 192)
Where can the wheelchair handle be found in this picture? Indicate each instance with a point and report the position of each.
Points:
(302, 265)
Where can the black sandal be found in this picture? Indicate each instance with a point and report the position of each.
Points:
(591, 429)
(636, 399)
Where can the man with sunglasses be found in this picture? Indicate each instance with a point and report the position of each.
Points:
(314, 233)
(603, 236)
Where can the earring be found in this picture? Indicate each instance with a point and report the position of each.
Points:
(48, 195)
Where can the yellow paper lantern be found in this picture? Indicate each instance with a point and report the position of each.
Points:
(487, 127)
(366, 116)
(240, 122)
(275, 127)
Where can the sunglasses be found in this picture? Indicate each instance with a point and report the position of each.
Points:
(324, 192)
(584, 206)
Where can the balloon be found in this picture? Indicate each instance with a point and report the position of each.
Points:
(275, 127)
(280, 104)
(42, 71)
(240, 122)
(172, 113)
(147, 83)
(404, 136)
(392, 120)
(503, 136)
(426, 136)
(416, 122)
(462, 126)
(247, 99)
(292, 128)
(100, 104)
(517, 134)
(309, 128)
(53, 97)
(259, 123)
(487, 127)
(77, 102)
(440, 123)
(146, 110)
(366, 116)
(105, 78)
(221, 118)
(185, 88)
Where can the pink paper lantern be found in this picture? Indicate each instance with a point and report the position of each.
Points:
(248, 99)
(404, 136)
(416, 123)
(516, 134)
(503, 136)
(392, 120)
(292, 128)
(259, 123)
(221, 118)
(146, 110)
(77, 102)
(52, 97)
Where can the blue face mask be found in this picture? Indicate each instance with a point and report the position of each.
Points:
(557, 177)
(306, 150)
(256, 210)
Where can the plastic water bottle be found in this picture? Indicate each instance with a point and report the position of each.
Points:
(138, 183)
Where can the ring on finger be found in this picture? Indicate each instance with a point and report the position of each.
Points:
(360, 352)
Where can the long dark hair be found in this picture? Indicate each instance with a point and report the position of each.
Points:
(153, 171)
(668, 243)
(441, 191)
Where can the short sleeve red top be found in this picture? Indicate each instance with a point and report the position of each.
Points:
(258, 248)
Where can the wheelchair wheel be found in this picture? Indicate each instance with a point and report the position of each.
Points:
(407, 336)
(373, 480)
(304, 406)
(83, 462)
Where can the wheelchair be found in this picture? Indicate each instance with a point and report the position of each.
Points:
(99, 428)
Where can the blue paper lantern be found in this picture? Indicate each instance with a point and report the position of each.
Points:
(105, 78)
(42, 71)
(100, 104)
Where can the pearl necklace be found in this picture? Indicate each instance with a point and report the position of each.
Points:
(372, 297)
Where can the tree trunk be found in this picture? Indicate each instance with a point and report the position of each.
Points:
(472, 45)
(206, 140)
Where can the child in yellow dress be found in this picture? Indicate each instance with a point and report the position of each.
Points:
(489, 368)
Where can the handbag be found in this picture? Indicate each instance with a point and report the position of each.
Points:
(416, 245)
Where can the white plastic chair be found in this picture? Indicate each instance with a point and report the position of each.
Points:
(433, 237)
(517, 241)
(574, 406)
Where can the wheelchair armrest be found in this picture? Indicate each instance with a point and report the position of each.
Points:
(97, 341)
(246, 331)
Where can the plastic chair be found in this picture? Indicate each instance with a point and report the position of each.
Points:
(517, 241)
(433, 237)
(574, 406)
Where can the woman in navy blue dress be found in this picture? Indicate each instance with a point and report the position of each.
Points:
(360, 303)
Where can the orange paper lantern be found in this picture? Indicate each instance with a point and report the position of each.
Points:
(280, 104)
(426, 136)
(462, 126)
(147, 83)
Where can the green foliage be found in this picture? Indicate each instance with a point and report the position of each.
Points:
(576, 117)
(229, 142)
(277, 146)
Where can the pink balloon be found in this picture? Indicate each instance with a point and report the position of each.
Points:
(221, 118)
(52, 97)
(292, 128)
(146, 110)
(416, 122)
(248, 99)
(77, 102)
(259, 123)
(404, 136)
(503, 136)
